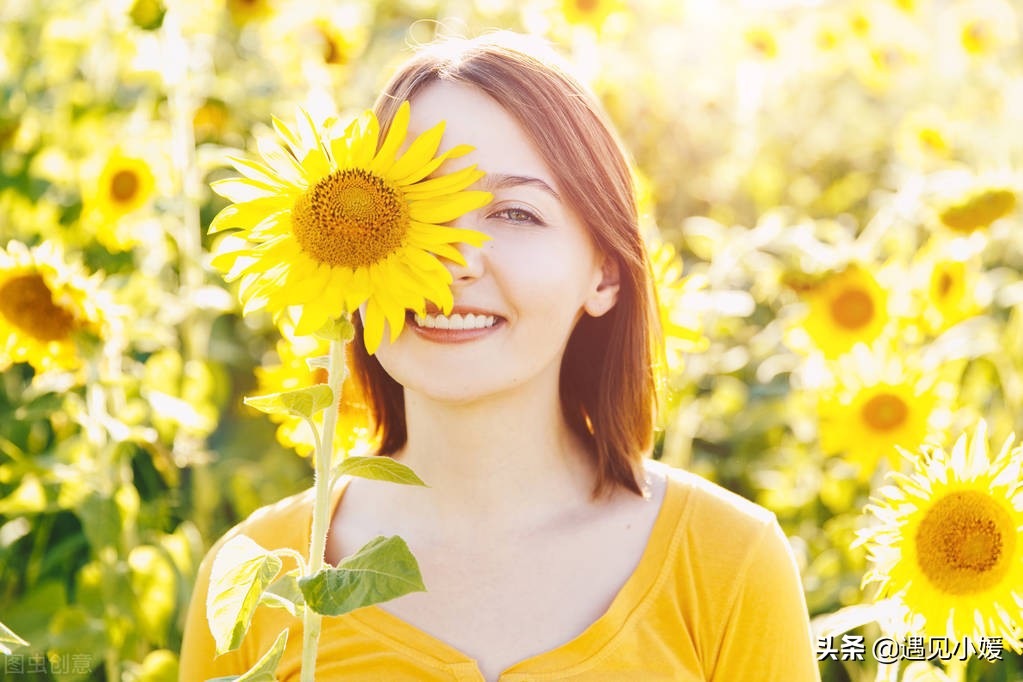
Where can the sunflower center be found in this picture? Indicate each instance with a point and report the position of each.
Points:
(965, 542)
(124, 185)
(27, 303)
(587, 5)
(351, 218)
(945, 283)
(852, 309)
(884, 412)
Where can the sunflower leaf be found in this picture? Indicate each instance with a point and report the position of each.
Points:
(382, 570)
(242, 570)
(339, 329)
(263, 670)
(378, 468)
(302, 402)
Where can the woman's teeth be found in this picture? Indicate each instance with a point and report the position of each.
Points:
(456, 321)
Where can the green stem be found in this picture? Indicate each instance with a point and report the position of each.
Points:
(321, 507)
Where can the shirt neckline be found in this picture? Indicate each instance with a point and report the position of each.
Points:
(627, 606)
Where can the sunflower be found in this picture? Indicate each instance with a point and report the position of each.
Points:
(244, 11)
(335, 223)
(878, 404)
(978, 209)
(682, 331)
(44, 302)
(924, 137)
(125, 184)
(343, 38)
(985, 27)
(847, 308)
(762, 42)
(592, 13)
(949, 543)
(353, 425)
(950, 294)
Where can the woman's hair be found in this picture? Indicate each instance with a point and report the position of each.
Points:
(607, 383)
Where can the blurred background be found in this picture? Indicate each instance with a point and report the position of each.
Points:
(829, 190)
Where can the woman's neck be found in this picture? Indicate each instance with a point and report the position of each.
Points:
(508, 460)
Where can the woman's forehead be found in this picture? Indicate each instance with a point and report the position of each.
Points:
(474, 118)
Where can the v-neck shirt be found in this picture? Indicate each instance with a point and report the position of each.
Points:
(715, 596)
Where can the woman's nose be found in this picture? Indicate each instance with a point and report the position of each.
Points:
(471, 269)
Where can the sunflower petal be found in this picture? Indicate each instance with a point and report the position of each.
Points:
(373, 331)
(419, 153)
(449, 208)
(427, 169)
(392, 142)
(445, 184)
(248, 213)
(241, 190)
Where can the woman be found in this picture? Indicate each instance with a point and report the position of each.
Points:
(551, 549)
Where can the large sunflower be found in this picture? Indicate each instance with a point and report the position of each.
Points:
(353, 422)
(333, 223)
(44, 301)
(847, 308)
(949, 545)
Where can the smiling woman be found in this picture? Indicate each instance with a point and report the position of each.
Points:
(551, 546)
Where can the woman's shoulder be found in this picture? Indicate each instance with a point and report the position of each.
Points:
(709, 501)
(284, 523)
(717, 530)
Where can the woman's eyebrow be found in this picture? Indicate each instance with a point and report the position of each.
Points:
(493, 181)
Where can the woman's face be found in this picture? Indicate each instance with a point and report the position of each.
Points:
(536, 276)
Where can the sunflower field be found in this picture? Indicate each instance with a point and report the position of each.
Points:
(830, 192)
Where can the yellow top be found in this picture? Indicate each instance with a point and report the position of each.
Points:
(715, 596)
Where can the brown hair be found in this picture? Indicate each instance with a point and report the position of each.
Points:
(607, 383)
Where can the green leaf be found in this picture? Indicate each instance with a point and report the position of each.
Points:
(7, 637)
(379, 468)
(263, 670)
(302, 402)
(242, 570)
(383, 569)
(285, 594)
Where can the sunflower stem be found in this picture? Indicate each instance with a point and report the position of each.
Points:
(321, 506)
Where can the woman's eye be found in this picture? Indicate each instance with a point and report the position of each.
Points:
(518, 215)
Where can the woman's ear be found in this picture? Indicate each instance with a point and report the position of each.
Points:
(603, 298)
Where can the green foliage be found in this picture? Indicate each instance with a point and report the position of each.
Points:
(263, 670)
(241, 573)
(377, 468)
(302, 402)
(381, 570)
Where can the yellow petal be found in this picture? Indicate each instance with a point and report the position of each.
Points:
(423, 171)
(419, 153)
(442, 249)
(446, 209)
(248, 214)
(240, 190)
(445, 184)
(392, 143)
(358, 289)
(288, 135)
(373, 331)
(256, 171)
